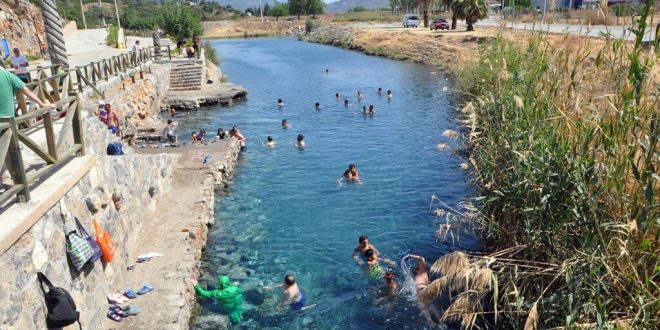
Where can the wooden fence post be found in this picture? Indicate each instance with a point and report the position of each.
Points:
(15, 163)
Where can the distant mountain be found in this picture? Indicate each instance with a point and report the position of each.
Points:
(343, 6)
(244, 4)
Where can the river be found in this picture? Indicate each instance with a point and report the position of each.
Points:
(285, 212)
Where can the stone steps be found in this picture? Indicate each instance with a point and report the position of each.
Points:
(186, 78)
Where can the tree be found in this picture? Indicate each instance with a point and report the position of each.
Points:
(424, 6)
(451, 4)
(279, 10)
(471, 11)
(306, 7)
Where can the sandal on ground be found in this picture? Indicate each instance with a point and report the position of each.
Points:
(145, 289)
(116, 298)
(113, 315)
(129, 293)
(119, 307)
(133, 310)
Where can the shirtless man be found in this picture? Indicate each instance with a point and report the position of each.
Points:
(112, 120)
(237, 134)
(419, 271)
(363, 247)
(291, 295)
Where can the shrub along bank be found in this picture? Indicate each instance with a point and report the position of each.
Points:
(564, 146)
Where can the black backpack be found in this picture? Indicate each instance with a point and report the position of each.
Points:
(61, 307)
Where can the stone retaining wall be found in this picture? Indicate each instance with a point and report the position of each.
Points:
(42, 248)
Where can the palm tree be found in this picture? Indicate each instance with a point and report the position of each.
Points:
(424, 6)
(471, 11)
(451, 4)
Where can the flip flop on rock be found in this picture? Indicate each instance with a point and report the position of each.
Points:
(133, 310)
(118, 307)
(116, 298)
(130, 293)
(146, 289)
(113, 315)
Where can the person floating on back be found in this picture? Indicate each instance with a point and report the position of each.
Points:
(292, 294)
(229, 296)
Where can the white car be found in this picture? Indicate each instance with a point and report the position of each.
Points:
(410, 21)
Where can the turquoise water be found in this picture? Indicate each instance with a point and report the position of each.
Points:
(285, 212)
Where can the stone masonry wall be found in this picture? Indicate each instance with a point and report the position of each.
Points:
(42, 248)
(23, 27)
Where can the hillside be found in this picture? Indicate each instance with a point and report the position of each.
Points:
(343, 6)
(244, 4)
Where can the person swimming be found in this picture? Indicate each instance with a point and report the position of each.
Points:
(419, 272)
(351, 173)
(346, 104)
(364, 110)
(389, 94)
(390, 281)
(374, 270)
(285, 124)
(360, 96)
(280, 103)
(327, 71)
(292, 295)
(372, 110)
(337, 96)
(221, 134)
(361, 249)
(380, 90)
(317, 106)
(270, 142)
(300, 141)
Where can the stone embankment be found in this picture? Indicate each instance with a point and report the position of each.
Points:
(21, 23)
(167, 198)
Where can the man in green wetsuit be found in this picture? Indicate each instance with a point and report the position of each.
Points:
(230, 297)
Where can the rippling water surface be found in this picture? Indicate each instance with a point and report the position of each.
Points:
(285, 212)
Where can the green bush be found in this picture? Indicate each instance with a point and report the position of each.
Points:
(311, 25)
(210, 53)
(113, 35)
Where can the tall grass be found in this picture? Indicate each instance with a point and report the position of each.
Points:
(564, 146)
(210, 53)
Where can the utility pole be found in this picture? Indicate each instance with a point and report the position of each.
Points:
(261, 10)
(117, 14)
(82, 11)
(545, 4)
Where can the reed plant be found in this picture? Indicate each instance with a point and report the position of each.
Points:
(564, 150)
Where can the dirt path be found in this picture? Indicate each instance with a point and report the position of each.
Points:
(177, 231)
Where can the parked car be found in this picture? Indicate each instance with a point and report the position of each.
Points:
(410, 21)
(439, 24)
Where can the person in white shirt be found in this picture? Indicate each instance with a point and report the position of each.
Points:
(20, 63)
(135, 50)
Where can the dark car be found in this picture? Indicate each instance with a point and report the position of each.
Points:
(439, 24)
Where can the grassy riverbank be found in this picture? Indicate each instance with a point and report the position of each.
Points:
(563, 141)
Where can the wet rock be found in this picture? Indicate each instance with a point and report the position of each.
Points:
(254, 297)
(153, 191)
(237, 273)
(209, 322)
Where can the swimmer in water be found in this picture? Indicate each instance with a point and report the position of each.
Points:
(300, 141)
(327, 71)
(292, 295)
(389, 94)
(364, 110)
(380, 91)
(346, 104)
(372, 110)
(337, 96)
(360, 96)
(373, 268)
(419, 272)
(270, 142)
(361, 249)
(285, 124)
(351, 173)
(317, 106)
(280, 103)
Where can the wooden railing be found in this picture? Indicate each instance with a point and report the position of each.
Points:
(62, 88)
(59, 148)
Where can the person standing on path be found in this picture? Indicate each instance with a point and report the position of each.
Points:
(135, 50)
(228, 295)
(20, 63)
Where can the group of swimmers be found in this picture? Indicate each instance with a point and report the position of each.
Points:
(200, 136)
